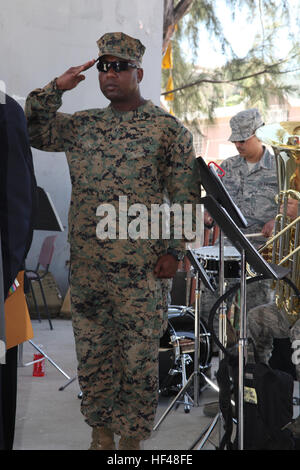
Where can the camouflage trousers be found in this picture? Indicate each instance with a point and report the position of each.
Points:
(119, 313)
(266, 322)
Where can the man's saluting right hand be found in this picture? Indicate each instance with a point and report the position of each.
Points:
(71, 78)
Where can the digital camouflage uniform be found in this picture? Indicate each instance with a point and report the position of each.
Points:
(266, 322)
(254, 193)
(119, 309)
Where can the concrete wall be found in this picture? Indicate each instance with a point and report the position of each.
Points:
(39, 41)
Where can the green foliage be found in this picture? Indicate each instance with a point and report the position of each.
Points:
(254, 79)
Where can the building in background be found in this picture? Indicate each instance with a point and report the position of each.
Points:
(213, 145)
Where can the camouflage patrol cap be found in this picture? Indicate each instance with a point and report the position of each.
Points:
(121, 45)
(244, 124)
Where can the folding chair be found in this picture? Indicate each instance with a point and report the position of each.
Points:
(33, 275)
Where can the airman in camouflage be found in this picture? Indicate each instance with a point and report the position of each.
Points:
(119, 285)
(251, 181)
(268, 321)
(251, 176)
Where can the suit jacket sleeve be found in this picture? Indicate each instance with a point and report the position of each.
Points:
(18, 190)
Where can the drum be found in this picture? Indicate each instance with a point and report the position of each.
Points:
(179, 340)
(209, 257)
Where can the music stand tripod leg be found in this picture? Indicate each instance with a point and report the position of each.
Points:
(68, 383)
(222, 315)
(242, 351)
(49, 359)
(207, 433)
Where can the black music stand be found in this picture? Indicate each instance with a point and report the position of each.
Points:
(238, 239)
(230, 219)
(46, 217)
(213, 185)
(250, 255)
(200, 276)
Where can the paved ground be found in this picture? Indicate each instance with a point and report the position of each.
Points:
(50, 419)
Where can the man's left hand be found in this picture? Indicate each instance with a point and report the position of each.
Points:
(267, 229)
(292, 208)
(166, 267)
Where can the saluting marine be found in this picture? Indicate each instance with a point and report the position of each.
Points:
(119, 285)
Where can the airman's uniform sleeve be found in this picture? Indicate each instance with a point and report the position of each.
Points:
(48, 129)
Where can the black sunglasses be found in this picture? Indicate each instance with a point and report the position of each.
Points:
(118, 67)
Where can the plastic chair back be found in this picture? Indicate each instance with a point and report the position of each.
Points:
(47, 251)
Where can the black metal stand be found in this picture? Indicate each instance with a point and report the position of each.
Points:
(227, 215)
(250, 255)
(195, 376)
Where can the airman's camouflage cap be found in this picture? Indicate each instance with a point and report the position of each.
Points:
(121, 45)
(244, 124)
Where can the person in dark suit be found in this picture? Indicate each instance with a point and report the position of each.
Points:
(18, 202)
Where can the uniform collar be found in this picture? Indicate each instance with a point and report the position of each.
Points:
(265, 161)
(126, 115)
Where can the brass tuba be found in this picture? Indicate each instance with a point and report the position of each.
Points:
(284, 247)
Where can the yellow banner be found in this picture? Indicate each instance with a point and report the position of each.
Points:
(170, 86)
(167, 61)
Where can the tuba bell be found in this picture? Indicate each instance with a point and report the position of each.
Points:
(283, 248)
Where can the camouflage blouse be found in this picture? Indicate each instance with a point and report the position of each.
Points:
(144, 156)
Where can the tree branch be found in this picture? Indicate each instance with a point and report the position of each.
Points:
(172, 15)
(245, 77)
(181, 9)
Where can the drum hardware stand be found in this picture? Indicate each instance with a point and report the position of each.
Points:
(242, 356)
(200, 275)
(218, 419)
(223, 339)
(182, 359)
(185, 359)
(187, 400)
